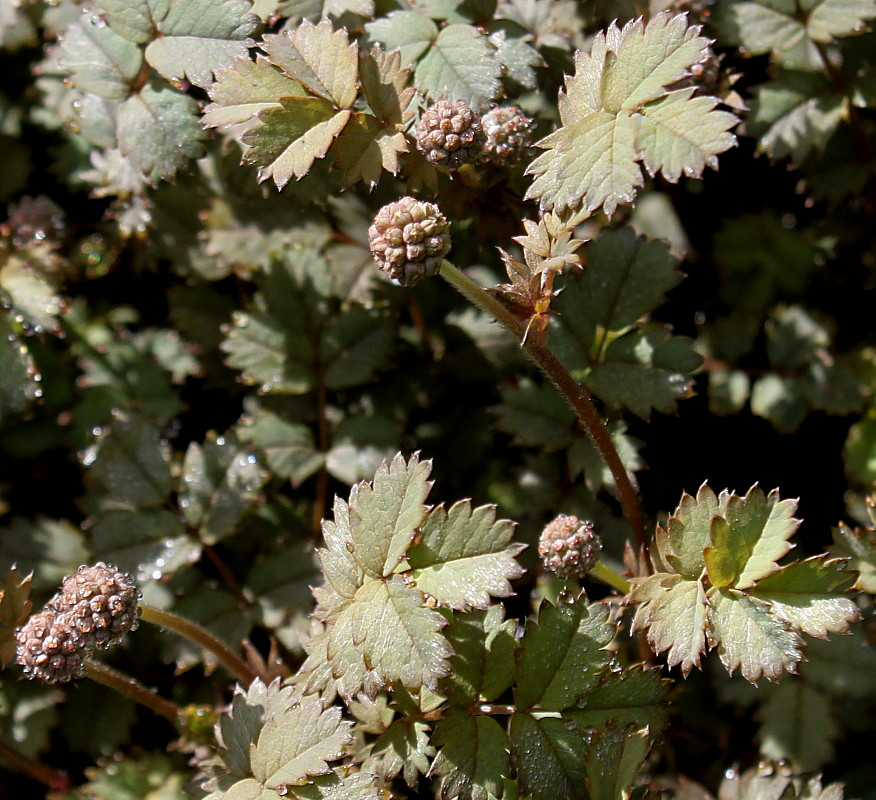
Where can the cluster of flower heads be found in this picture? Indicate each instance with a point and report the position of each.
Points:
(451, 134)
(569, 547)
(94, 609)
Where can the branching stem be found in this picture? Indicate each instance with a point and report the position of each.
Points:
(126, 685)
(575, 395)
(195, 633)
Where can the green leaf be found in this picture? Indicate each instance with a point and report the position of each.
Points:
(798, 725)
(299, 743)
(403, 748)
(354, 345)
(685, 535)
(411, 32)
(562, 655)
(20, 383)
(198, 37)
(359, 445)
(809, 595)
(150, 776)
(674, 613)
(616, 112)
(358, 150)
(783, 27)
(288, 446)
(149, 543)
(460, 64)
(221, 482)
(613, 759)
(636, 695)
(15, 608)
(795, 114)
(646, 369)
(246, 88)
(388, 628)
(536, 415)
(844, 666)
(385, 83)
(48, 549)
(751, 536)
(290, 138)
(31, 295)
(859, 546)
(750, 638)
(626, 278)
(482, 666)
(321, 59)
(130, 464)
(99, 60)
(473, 760)
(548, 757)
(465, 556)
(158, 130)
(280, 582)
(518, 57)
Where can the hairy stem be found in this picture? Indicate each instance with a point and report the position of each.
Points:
(126, 685)
(195, 633)
(575, 395)
(40, 772)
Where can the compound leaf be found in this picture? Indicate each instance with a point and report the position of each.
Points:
(20, 382)
(411, 32)
(482, 666)
(674, 613)
(465, 556)
(473, 760)
(402, 748)
(385, 83)
(616, 111)
(548, 757)
(646, 369)
(288, 446)
(613, 759)
(388, 628)
(290, 138)
(99, 60)
(859, 546)
(750, 638)
(808, 595)
(299, 743)
(536, 415)
(15, 607)
(798, 725)
(636, 695)
(158, 130)
(562, 655)
(244, 89)
(751, 536)
(221, 482)
(685, 536)
(460, 65)
(320, 58)
(130, 464)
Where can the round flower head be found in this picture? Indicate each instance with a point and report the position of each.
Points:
(50, 647)
(449, 134)
(408, 240)
(102, 602)
(508, 133)
(569, 547)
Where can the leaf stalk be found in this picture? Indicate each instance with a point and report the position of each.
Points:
(127, 686)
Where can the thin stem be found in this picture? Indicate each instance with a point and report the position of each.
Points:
(195, 633)
(323, 443)
(227, 576)
(40, 772)
(126, 685)
(608, 575)
(576, 396)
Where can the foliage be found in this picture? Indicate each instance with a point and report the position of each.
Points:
(329, 489)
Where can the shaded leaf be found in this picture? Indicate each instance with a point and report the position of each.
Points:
(549, 757)
(288, 446)
(859, 546)
(20, 382)
(15, 608)
(473, 759)
(404, 749)
(798, 725)
(562, 655)
(613, 759)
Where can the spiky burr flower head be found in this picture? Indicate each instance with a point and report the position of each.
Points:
(408, 240)
(102, 602)
(449, 133)
(569, 547)
(50, 648)
(507, 133)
